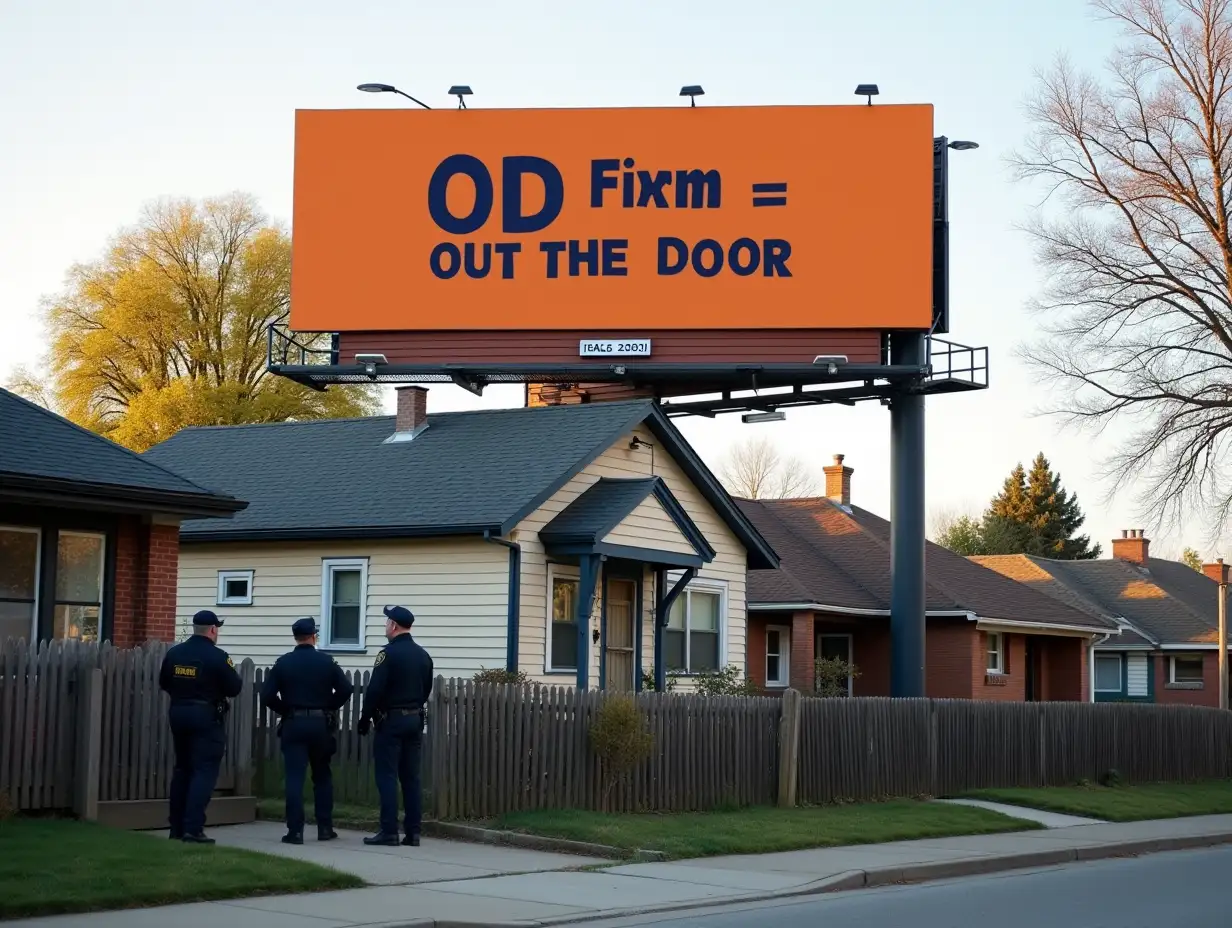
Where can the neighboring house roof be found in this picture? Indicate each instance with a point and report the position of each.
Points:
(590, 520)
(1168, 601)
(44, 456)
(465, 473)
(838, 558)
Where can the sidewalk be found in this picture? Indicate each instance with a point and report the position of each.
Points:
(543, 893)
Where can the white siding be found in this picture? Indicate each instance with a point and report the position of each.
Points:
(649, 526)
(621, 461)
(457, 588)
(1136, 675)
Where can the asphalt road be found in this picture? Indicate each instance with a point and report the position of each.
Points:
(1183, 889)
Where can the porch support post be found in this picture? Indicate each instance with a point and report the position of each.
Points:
(907, 523)
(588, 576)
(662, 610)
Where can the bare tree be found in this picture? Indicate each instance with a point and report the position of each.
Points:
(754, 469)
(1137, 310)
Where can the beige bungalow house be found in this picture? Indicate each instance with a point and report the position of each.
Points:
(584, 544)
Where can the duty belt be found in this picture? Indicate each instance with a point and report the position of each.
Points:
(403, 711)
(315, 713)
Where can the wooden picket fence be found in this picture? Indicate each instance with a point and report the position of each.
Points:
(84, 727)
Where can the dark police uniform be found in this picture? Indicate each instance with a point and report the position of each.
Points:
(306, 687)
(397, 692)
(200, 678)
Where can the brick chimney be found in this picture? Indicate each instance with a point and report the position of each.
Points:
(1132, 546)
(412, 410)
(838, 481)
(1217, 571)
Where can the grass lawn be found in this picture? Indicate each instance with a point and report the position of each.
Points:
(1122, 803)
(759, 830)
(53, 866)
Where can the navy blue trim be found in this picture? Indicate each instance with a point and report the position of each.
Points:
(660, 590)
(687, 526)
(760, 555)
(588, 575)
(638, 619)
(513, 607)
(628, 553)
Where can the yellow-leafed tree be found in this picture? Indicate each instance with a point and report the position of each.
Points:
(168, 329)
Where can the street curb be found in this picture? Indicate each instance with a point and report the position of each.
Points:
(478, 835)
(884, 876)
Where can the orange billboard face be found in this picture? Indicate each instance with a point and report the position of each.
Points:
(613, 219)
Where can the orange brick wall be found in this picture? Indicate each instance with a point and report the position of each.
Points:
(1064, 671)
(1010, 686)
(1207, 696)
(947, 657)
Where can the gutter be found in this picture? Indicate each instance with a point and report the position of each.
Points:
(515, 597)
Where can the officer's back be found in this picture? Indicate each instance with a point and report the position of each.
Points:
(197, 672)
(407, 677)
(306, 678)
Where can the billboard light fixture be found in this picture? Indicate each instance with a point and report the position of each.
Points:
(390, 88)
(960, 145)
(370, 361)
(867, 90)
(461, 91)
(692, 91)
(749, 418)
(831, 362)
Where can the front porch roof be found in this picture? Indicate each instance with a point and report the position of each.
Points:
(597, 522)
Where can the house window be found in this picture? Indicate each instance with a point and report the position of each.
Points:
(834, 647)
(344, 595)
(692, 641)
(79, 585)
(778, 655)
(1185, 670)
(234, 588)
(996, 652)
(19, 576)
(562, 622)
(1107, 673)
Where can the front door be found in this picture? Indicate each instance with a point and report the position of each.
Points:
(618, 654)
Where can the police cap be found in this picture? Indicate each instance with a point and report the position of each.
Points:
(305, 627)
(206, 617)
(400, 615)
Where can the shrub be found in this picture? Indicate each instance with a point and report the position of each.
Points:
(501, 675)
(831, 674)
(726, 682)
(648, 682)
(621, 740)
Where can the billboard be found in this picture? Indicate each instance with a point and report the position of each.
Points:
(686, 218)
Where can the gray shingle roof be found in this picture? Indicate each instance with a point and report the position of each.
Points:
(1169, 601)
(598, 510)
(39, 444)
(841, 558)
(466, 472)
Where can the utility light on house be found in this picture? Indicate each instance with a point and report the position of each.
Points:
(692, 91)
(750, 418)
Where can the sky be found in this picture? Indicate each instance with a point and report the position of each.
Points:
(109, 104)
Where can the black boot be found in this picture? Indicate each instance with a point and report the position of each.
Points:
(411, 841)
(382, 839)
(293, 837)
(198, 838)
(326, 833)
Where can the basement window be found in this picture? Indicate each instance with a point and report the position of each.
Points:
(234, 588)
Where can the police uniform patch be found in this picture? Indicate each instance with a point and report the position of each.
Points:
(379, 658)
(230, 663)
(185, 670)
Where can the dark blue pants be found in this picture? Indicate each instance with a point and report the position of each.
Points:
(200, 743)
(395, 755)
(307, 741)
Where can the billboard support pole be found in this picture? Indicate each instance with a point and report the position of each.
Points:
(907, 523)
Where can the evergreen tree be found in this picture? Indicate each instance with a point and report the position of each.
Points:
(1034, 514)
(1191, 558)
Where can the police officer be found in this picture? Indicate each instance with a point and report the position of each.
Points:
(306, 687)
(397, 692)
(200, 678)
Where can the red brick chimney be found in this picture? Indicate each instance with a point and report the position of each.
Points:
(838, 481)
(412, 409)
(1132, 546)
(1217, 571)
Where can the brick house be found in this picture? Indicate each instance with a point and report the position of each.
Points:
(1168, 651)
(988, 637)
(89, 532)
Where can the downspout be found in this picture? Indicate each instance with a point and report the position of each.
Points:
(1091, 662)
(515, 598)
